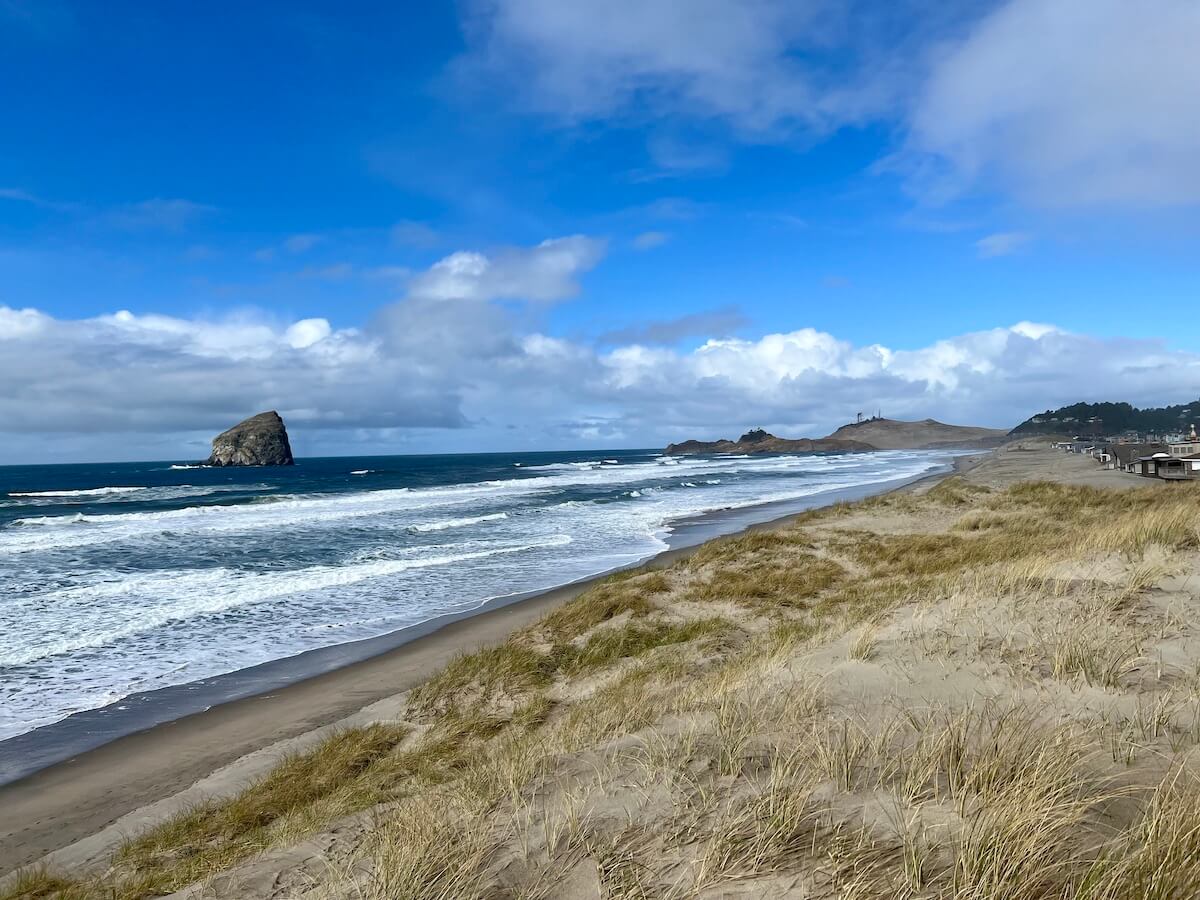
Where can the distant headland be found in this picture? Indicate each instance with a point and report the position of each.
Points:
(875, 433)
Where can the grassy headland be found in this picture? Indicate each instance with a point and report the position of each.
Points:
(971, 692)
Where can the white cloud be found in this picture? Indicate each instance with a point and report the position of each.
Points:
(549, 271)
(121, 384)
(20, 323)
(648, 240)
(307, 332)
(743, 62)
(1002, 243)
(1069, 103)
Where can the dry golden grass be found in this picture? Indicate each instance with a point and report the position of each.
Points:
(1159, 858)
(676, 751)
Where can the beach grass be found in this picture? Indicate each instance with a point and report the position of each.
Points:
(972, 693)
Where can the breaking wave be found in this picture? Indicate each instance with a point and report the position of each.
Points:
(446, 524)
(90, 492)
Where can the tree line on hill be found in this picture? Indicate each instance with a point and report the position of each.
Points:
(1110, 418)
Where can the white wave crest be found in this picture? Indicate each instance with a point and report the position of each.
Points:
(90, 492)
(457, 523)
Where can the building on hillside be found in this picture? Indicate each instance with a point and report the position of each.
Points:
(1185, 447)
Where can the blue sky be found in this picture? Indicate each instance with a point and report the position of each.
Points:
(728, 172)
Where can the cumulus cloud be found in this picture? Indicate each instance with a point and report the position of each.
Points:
(470, 369)
(549, 271)
(123, 373)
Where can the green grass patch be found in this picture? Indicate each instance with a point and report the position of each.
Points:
(736, 549)
(784, 580)
(612, 644)
(624, 592)
(510, 668)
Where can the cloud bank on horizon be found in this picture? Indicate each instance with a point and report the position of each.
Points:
(453, 356)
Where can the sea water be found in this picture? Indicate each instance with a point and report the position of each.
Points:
(117, 579)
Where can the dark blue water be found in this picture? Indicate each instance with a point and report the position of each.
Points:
(118, 579)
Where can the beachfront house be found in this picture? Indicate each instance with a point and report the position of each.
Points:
(1178, 468)
(1127, 457)
(1147, 466)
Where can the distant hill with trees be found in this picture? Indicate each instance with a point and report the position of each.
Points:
(1110, 418)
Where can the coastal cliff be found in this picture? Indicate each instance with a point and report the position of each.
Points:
(261, 440)
(759, 441)
(927, 434)
(872, 434)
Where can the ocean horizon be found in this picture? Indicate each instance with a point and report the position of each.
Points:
(119, 579)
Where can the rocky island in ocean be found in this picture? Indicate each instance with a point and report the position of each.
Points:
(261, 440)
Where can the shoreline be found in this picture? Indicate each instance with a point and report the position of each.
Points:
(94, 775)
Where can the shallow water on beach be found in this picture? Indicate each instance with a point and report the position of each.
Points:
(123, 578)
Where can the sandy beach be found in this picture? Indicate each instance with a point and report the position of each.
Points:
(86, 803)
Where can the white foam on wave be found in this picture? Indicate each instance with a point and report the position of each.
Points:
(585, 465)
(89, 492)
(179, 467)
(445, 524)
(56, 532)
(98, 614)
(122, 496)
(361, 472)
(381, 507)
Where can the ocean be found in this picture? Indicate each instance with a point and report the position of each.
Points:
(122, 579)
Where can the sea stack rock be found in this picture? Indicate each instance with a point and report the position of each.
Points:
(259, 441)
